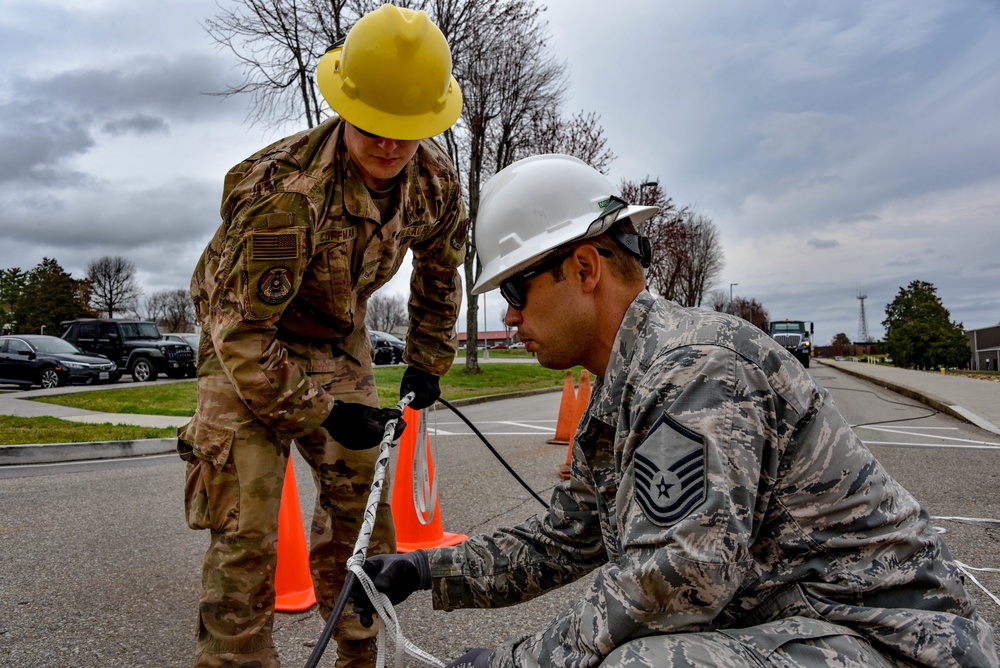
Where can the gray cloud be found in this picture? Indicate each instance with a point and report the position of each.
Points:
(823, 243)
(138, 124)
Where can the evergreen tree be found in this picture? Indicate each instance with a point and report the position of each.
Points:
(52, 296)
(13, 283)
(919, 332)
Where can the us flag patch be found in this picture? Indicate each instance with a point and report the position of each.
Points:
(270, 246)
(669, 472)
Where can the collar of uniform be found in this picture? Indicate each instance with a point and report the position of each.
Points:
(608, 390)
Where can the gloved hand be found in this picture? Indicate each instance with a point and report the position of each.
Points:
(477, 657)
(426, 388)
(359, 427)
(395, 575)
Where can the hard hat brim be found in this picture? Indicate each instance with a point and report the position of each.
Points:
(375, 121)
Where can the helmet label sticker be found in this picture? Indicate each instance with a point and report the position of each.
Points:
(669, 472)
(275, 285)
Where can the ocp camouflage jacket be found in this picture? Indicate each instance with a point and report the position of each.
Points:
(283, 267)
(715, 486)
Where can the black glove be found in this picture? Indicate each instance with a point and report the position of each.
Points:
(395, 575)
(425, 387)
(359, 427)
(477, 657)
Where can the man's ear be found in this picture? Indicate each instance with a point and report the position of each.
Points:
(587, 267)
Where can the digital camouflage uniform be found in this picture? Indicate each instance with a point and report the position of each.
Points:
(280, 293)
(732, 518)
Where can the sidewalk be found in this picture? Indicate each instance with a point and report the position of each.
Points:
(969, 399)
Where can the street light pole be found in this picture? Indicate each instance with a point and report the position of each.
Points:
(731, 291)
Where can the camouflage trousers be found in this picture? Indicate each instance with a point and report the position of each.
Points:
(794, 642)
(235, 473)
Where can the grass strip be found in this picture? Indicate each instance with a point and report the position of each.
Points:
(179, 399)
(20, 430)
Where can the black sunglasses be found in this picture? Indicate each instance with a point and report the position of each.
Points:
(515, 288)
(370, 135)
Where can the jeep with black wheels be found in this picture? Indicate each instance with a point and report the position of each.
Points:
(135, 345)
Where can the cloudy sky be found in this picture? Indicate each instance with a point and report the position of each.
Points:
(838, 146)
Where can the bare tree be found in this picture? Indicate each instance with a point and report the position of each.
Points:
(580, 136)
(171, 310)
(704, 259)
(277, 52)
(687, 254)
(508, 79)
(750, 310)
(386, 312)
(719, 301)
(113, 287)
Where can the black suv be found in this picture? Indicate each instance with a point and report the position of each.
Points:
(135, 346)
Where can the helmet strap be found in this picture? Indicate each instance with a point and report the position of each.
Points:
(636, 244)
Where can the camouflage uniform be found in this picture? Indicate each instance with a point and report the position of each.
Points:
(281, 293)
(732, 517)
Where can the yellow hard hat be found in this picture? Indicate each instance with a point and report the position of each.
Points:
(392, 76)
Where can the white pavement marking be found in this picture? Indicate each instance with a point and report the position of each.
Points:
(946, 446)
(527, 426)
(909, 432)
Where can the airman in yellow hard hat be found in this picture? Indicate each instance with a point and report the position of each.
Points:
(311, 227)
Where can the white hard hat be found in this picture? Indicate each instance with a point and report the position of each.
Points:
(537, 205)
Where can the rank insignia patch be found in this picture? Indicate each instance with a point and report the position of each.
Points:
(275, 285)
(669, 472)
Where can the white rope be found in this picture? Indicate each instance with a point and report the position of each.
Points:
(424, 490)
(381, 602)
(968, 572)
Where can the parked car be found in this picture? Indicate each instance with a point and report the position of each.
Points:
(193, 340)
(388, 348)
(33, 359)
(517, 345)
(136, 346)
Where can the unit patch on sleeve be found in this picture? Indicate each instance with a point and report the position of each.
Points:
(669, 472)
(275, 285)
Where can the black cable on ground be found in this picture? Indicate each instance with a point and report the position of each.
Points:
(493, 450)
(338, 609)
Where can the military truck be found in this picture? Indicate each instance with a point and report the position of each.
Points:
(135, 345)
(794, 336)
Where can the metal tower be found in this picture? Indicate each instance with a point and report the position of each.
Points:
(862, 320)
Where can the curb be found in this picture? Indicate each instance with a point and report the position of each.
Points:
(54, 453)
(935, 402)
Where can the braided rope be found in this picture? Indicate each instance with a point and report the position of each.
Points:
(381, 602)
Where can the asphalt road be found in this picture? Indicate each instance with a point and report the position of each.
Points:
(100, 570)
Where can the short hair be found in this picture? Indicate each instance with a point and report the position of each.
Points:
(623, 264)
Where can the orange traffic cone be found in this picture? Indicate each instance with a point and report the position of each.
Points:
(567, 405)
(293, 585)
(579, 408)
(416, 529)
